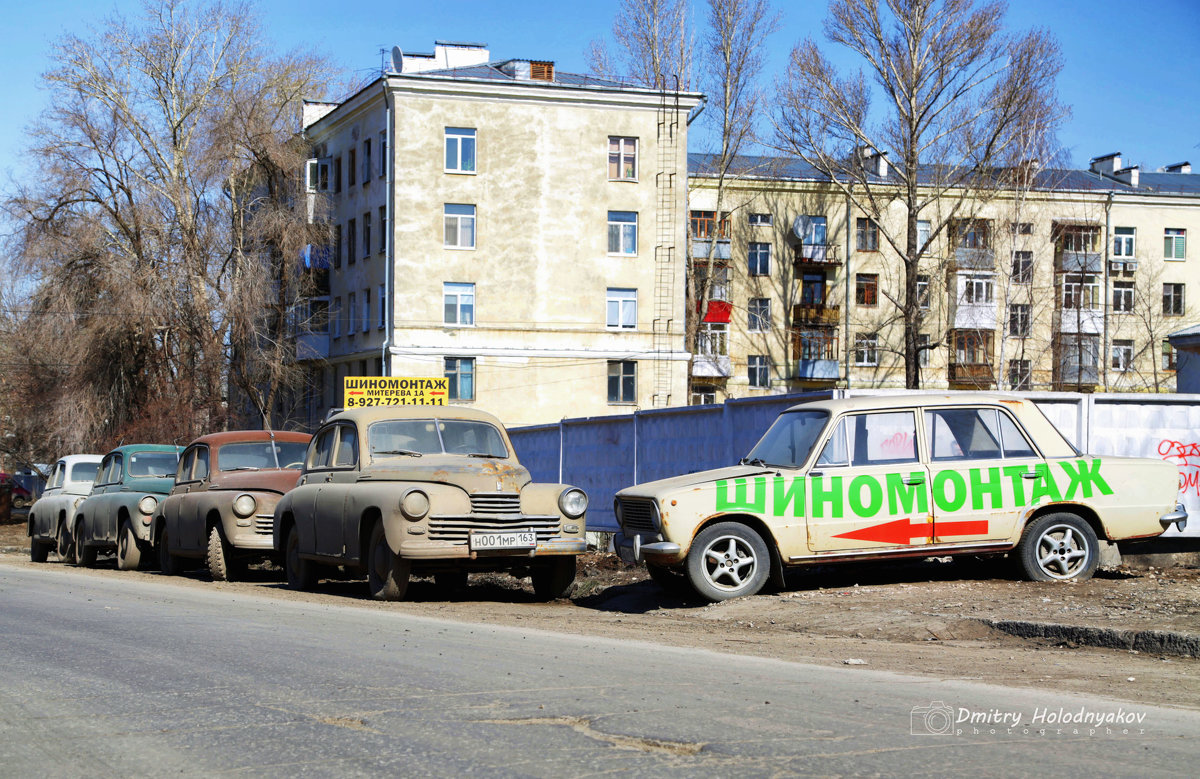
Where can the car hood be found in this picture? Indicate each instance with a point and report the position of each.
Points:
(471, 474)
(273, 480)
(655, 488)
(155, 485)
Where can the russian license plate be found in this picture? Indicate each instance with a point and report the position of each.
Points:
(486, 542)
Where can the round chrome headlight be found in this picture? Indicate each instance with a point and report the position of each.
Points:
(244, 505)
(414, 505)
(573, 502)
(146, 505)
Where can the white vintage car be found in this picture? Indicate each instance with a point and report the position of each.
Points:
(69, 483)
(896, 476)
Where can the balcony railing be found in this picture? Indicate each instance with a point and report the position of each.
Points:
(1077, 262)
(975, 259)
(979, 374)
(824, 255)
(1070, 374)
(820, 314)
(702, 250)
(711, 365)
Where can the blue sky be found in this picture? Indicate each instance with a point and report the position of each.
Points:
(1130, 76)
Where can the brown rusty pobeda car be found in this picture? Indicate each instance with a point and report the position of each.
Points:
(221, 507)
(396, 491)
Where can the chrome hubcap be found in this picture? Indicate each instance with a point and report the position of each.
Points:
(729, 563)
(1062, 552)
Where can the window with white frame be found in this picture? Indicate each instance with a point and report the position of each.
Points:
(460, 372)
(1122, 355)
(459, 303)
(760, 258)
(1020, 320)
(761, 220)
(718, 281)
(459, 226)
(1169, 357)
(1020, 228)
(704, 395)
(923, 349)
(622, 232)
(759, 311)
(1122, 297)
(713, 339)
(1080, 291)
(1174, 244)
(1022, 267)
(622, 158)
(923, 291)
(316, 175)
(366, 309)
(1020, 374)
(382, 306)
(924, 232)
(866, 235)
(460, 150)
(351, 315)
(759, 370)
(814, 229)
(1124, 242)
(1173, 303)
(866, 349)
(622, 381)
(977, 290)
(621, 308)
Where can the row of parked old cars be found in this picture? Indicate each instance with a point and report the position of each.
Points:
(392, 492)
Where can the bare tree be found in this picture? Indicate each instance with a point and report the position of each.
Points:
(959, 100)
(653, 44)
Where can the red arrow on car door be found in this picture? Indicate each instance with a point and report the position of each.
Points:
(901, 531)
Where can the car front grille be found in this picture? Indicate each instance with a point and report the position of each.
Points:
(506, 504)
(263, 524)
(457, 529)
(637, 515)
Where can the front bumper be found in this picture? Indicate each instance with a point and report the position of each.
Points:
(633, 548)
(426, 549)
(1178, 518)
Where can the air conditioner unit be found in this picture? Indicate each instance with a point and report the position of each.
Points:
(1131, 266)
(1114, 267)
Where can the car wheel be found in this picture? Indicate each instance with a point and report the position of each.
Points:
(20, 503)
(1059, 547)
(301, 574)
(39, 550)
(387, 572)
(554, 577)
(451, 581)
(85, 556)
(671, 580)
(66, 544)
(167, 563)
(129, 551)
(727, 560)
(221, 563)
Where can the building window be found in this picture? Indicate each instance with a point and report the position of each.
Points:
(814, 230)
(759, 369)
(812, 289)
(718, 282)
(622, 381)
(973, 347)
(1173, 300)
(382, 229)
(318, 316)
(366, 310)
(1019, 372)
(335, 316)
(1021, 228)
(761, 220)
(366, 162)
(461, 373)
(622, 232)
(866, 289)
(866, 236)
(458, 303)
(1022, 268)
(1168, 356)
(316, 175)
(351, 315)
(977, 290)
(713, 339)
(382, 159)
(760, 258)
(337, 246)
(382, 307)
(817, 344)
(622, 158)
(621, 308)
(760, 315)
(1122, 355)
(1174, 244)
(971, 234)
(924, 233)
(923, 292)
(1020, 320)
(1123, 242)
(923, 349)
(1122, 297)
(351, 167)
(351, 242)
(366, 235)
(866, 349)
(459, 226)
(1080, 291)
(1079, 238)
(704, 395)
(704, 223)
(460, 150)
(337, 174)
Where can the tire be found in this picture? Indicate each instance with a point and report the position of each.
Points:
(20, 503)
(39, 550)
(85, 556)
(221, 564)
(387, 572)
(168, 563)
(671, 580)
(727, 560)
(552, 579)
(450, 581)
(129, 549)
(1058, 547)
(301, 574)
(66, 544)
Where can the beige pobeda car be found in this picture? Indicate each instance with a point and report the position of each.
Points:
(394, 491)
(877, 478)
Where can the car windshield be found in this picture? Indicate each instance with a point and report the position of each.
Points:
(790, 440)
(417, 437)
(84, 471)
(153, 463)
(255, 455)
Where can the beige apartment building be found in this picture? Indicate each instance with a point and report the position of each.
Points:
(514, 228)
(1069, 280)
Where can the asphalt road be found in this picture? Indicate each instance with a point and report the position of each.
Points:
(140, 676)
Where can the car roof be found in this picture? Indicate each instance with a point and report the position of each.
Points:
(250, 436)
(365, 416)
(145, 448)
(75, 459)
(908, 400)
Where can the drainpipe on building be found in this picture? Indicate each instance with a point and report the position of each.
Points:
(389, 258)
(846, 291)
(1104, 356)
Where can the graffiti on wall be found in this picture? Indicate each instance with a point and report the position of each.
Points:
(1186, 457)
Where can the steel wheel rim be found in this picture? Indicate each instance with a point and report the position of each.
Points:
(1062, 551)
(729, 563)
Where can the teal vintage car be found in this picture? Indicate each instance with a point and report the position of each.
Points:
(118, 512)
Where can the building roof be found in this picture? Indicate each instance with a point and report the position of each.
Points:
(1187, 338)
(492, 71)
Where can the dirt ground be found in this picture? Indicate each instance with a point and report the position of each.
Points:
(923, 617)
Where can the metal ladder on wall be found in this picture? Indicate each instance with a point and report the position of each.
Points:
(664, 241)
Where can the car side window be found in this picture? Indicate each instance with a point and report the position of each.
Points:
(974, 434)
(322, 448)
(201, 471)
(185, 466)
(834, 453)
(102, 473)
(56, 478)
(347, 449)
(113, 474)
(1014, 442)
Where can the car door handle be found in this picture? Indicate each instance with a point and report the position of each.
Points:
(329, 477)
(1030, 475)
(914, 480)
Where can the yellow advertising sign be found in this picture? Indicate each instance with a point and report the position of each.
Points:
(363, 391)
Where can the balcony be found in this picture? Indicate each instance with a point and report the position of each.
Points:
(975, 374)
(312, 346)
(816, 314)
(975, 259)
(1077, 262)
(1074, 321)
(703, 250)
(818, 370)
(1074, 374)
(711, 365)
(975, 316)
(817, 255)
(815, 354)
